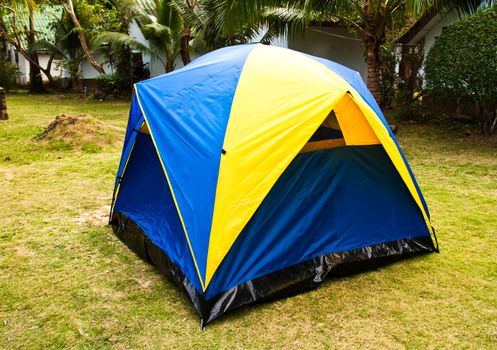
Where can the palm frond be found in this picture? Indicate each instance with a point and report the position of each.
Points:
(157, 32)
(114, 38)
(47, 46)
(168, 15)
(194, 17)
(461, 6)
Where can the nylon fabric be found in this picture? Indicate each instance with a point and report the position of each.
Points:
(355, 80)
(391, 148)
(226, 132)
(355, 129)
(146, 199)
(276, 109)
(187, 113)
(135, 118)
(373, 114)
(325, 202)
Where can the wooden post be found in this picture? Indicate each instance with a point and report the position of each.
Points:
(3, 105)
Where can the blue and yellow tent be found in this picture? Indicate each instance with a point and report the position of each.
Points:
(257, 170)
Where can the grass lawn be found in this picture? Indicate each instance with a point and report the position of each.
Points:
(67, 282)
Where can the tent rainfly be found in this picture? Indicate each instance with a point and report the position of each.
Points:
(256, 171)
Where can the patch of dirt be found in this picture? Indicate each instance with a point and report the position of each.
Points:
(97, 217)
(23, 251)
(8, 174)
(79, 132)
(144, 284)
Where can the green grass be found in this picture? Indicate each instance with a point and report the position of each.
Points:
(67, 282)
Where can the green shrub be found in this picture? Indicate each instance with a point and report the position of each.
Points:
(59, 145)
(90, 147)
(8, 74)
(112, 85)
(463, 62)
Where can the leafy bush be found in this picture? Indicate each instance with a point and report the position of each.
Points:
(112, 85)
(387, 75)
(463, 62)
(8, 74)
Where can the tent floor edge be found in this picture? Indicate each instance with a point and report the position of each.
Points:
(283, 283)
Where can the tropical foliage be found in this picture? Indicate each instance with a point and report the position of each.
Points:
(66, 45)
(8, 74)
(161, 25)
(98, 30)
(372, 20)
(175, 27)
(463, 63)
(23, 36)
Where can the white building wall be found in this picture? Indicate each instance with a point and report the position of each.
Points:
(435, 31)
(155, 66)
(333, 43)
(88, 72)
(22, 65)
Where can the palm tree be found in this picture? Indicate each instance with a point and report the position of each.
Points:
(372, 20)
(213, 24)
(161, 25)
(174, 27)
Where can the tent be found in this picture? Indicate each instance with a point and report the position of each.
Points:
(255, 171)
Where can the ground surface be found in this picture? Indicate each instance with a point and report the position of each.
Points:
(67, 282)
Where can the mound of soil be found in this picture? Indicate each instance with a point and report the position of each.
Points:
(79, 132)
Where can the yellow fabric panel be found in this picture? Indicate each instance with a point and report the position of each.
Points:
(170, 187)
(281, 99)
(390, 147)
(355, 129)
(144, 129)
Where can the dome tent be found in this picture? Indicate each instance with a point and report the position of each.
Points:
(257, 170)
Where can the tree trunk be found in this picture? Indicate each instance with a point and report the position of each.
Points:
(187, 36)
(76, 83)
(169, 66)
(3, 40)
(48, 72)
(3, 105)
(35, 78)
(374, 68)
(373, 37)
(82, 39)
(185, 49)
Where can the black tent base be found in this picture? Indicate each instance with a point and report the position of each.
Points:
(286, 282)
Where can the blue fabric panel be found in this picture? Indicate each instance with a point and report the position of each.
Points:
(188, 113)
(355, 80)
(145, 198)
(135, 120)
(135, 114)
(325, 202)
